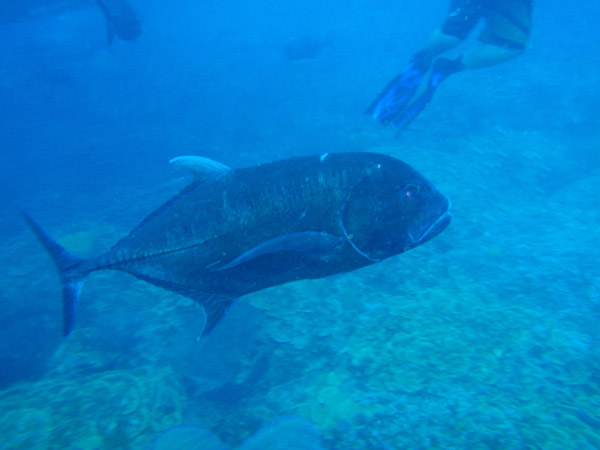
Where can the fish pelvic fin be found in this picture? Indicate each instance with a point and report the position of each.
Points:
(71, 270)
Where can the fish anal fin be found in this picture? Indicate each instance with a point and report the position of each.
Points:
(71, 291)
(214, 308)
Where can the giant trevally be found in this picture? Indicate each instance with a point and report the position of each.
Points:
(121, 20)
(236, 231)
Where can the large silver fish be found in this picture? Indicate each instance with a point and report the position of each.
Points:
(232, 232)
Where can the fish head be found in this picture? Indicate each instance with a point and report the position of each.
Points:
(393, 209)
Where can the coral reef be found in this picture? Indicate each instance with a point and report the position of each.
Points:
(485, 338)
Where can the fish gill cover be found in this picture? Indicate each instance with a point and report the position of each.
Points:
(485, 337)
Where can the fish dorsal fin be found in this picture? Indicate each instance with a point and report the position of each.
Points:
(204, 169)
(315, 243)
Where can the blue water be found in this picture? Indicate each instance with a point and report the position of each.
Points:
(487, 337)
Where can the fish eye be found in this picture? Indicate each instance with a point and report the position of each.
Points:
(411, 190)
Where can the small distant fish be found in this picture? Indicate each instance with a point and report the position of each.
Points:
(121, 20)
(304, 47)
(233, 232)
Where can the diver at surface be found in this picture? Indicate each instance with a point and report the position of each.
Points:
(504, 36)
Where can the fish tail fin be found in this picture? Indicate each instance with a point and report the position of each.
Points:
(71, 270)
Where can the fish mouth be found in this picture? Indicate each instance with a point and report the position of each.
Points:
(436, 227)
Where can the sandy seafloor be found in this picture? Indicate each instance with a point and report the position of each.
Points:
(487, 337)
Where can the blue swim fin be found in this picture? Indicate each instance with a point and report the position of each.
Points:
(442, 69)
(396, 95)
(410, 113)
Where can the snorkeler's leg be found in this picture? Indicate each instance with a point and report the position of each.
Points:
(462, 17)
(505, 36)
(440, 42)
(485, 55)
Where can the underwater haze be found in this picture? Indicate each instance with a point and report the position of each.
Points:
(486, 337)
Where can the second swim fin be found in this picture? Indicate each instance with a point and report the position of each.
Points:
(396, 95)
(442, 68)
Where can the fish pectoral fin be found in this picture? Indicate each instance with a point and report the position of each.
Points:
(203, 169)
(215, 307)
(316, 243)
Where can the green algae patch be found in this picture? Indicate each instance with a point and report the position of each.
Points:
(332, 402)
(111, 409)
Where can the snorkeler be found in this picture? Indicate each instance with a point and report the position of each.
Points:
(504, 36)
